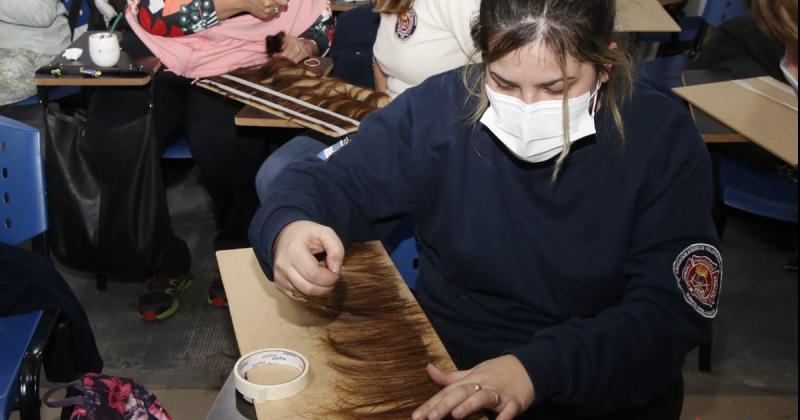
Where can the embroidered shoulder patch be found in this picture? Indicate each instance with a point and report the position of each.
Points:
(698, 270)
(406, 25)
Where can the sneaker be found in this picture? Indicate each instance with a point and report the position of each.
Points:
(160, 298)
(216, 293)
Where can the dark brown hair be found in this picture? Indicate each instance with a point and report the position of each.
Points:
(583, 29)
(776, 18)
(376, 342)
(295, 80)
(394, 7)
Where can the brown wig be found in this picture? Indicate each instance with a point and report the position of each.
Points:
(288, 78)
(376, 343)
(776, 18)
(579, 28)
(393, 7)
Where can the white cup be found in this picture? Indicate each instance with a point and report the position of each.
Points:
(104, 49)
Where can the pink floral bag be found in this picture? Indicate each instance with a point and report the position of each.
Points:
(102, 397)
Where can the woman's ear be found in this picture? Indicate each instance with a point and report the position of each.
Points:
(607, 68)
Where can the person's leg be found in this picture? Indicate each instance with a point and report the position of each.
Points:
(111, 107)
(295, 150)
(30, 282)
(228, 158)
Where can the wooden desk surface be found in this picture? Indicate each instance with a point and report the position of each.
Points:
(644, 16)
(155, 64)
(263, 318)
(712, 130)
(148, 65)
(770, 124)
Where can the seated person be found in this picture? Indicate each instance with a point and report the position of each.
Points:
(567, 253)
(223, 35)
(32, 32)
(416, 39)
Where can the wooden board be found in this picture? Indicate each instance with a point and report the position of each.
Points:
(763, 120)
(263, 317)
(251, 116)
(644, 16)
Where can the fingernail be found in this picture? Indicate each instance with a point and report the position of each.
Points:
(433, 415)
(336, 268)
(416, 416)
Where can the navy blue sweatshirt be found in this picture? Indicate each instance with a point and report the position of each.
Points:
(594, 282)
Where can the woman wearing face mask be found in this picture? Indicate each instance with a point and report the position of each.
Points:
(567, 251)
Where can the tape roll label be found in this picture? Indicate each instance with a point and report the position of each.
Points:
(256, 393)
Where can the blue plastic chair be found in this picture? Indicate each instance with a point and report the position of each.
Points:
(757, 191)
(17, 332)
(693, 28)
(23, 216)
(664, 73)
(179, 150)
(401, 245)
(23, 208)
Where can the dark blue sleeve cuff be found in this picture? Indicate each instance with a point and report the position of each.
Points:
(543, 362)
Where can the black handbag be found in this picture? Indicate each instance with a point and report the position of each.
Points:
(107, 205)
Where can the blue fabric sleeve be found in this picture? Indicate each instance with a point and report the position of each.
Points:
(363, 185)
(627, 354)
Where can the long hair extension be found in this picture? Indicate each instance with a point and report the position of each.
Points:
(376, 343)
(294, 80)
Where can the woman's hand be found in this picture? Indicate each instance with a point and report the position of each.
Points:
(262, 9)
(297, 49)
(501, 384)
(296, 267)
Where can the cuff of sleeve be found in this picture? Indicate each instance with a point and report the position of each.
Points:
(263, 231)
(543, 362)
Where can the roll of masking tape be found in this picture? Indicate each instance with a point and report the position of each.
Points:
(258, 393)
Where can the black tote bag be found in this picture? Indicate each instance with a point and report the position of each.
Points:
(107, 206)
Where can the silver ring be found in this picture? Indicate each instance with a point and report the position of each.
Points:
(276, 10)
(476, 387)
(496, 398)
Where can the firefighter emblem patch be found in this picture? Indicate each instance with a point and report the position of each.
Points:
(406, 25)
(698, 270)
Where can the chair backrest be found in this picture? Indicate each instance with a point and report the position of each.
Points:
(354, 37)
(23, 209)
(718, 12)
(80, 19)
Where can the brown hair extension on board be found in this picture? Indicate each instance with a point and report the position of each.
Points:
(376, 343)
(282, 75)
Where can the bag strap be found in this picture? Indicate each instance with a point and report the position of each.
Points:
(66, 402)
(74, 11)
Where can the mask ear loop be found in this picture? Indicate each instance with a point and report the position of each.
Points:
(594, 98)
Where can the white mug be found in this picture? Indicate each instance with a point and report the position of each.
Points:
(104, 49)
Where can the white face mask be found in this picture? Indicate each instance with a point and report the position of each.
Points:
(788, 75)
(534, 132)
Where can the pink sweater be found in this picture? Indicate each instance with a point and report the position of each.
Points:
(234, 43)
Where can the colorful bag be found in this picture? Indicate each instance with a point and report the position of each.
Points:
(102, 397)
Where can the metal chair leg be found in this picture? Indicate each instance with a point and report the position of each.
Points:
(29, 402)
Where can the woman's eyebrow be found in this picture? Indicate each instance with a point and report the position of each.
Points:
(501, 80)
(560, 79)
